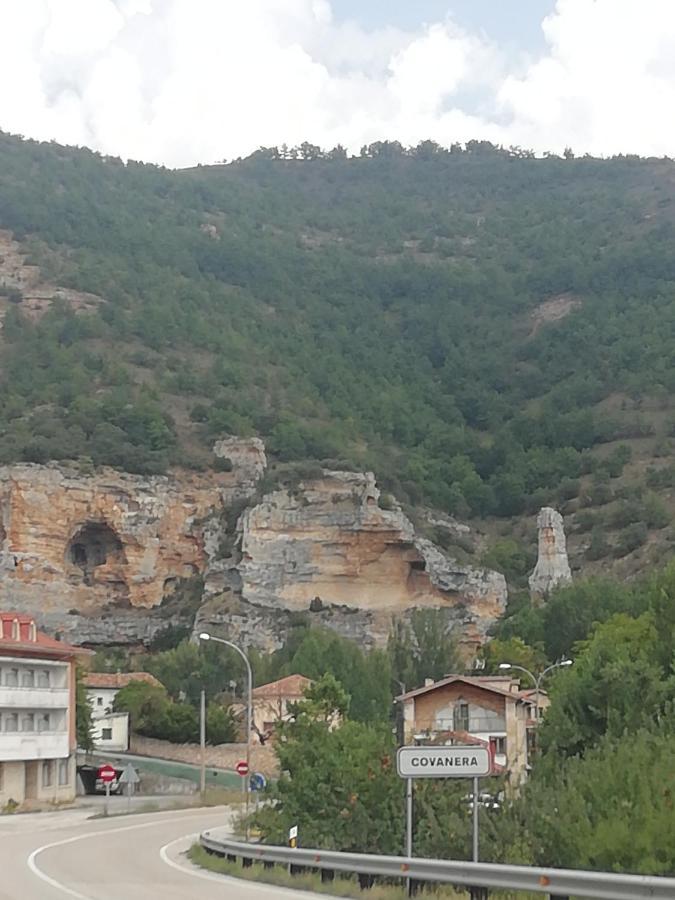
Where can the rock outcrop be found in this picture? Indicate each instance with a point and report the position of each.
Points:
(328, 547)
(552, 567)
(108, 558)
(74, 545)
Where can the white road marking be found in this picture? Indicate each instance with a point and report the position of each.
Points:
(39, 873)
(240, 883)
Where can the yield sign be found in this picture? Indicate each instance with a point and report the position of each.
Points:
(129, 775)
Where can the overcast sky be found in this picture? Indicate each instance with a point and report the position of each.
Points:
(187, 81)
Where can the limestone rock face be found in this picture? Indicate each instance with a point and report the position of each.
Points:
(329, 546)
(112, 558)
(91, 544)
(552, 567)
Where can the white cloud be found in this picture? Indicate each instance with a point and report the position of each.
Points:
(186, 81)
(607, 84)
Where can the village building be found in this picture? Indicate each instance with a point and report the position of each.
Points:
(38, 735)
(111, 729)
(272, 704)
(490, 710)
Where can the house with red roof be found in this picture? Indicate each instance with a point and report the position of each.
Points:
(272, 703)
(38, 735)
(111, 729)
(490, 710)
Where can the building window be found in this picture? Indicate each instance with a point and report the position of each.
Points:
(28, 722)
(99, 701)
(47, 773)
(12, 678)
(500, 745)
(106, 734)
(27, 678)
(64, 773)
(44, 722)
(43, 678)
(461, 716)
(11, 722)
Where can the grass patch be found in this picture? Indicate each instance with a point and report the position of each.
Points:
(311, 881)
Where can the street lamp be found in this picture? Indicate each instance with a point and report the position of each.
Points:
(537, 679)
(205, 636)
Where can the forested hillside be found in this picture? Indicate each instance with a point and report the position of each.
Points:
(487, 331)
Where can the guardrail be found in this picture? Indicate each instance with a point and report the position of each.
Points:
(479, 878)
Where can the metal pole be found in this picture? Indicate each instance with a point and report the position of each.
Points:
(107, 798)
(249, 727)
(249, 705)
(408, 817)
(202, 744)
(475, 820)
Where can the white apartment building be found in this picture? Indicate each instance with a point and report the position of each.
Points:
(37, 714)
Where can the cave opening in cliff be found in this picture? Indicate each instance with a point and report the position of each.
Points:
(94, 544)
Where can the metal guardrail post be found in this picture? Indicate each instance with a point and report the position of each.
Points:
(477, 878)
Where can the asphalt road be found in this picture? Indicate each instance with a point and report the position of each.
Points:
(50, 856)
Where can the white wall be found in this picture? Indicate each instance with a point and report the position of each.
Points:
(118, 723)
(101, 700)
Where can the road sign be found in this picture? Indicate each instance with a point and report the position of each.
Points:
(241, 768)
(107, 774)
(129, 775)
(292, 832)
(443, 762)
(258, 781)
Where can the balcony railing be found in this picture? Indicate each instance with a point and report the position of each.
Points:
(473, 725)
(34, 697)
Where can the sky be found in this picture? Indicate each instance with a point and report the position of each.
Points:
(181, 82)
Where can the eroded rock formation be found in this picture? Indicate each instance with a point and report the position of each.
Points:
(552, 567)
(329, 547)
(108, 543)
(99, 557)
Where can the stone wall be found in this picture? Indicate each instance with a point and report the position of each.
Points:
(221, 756)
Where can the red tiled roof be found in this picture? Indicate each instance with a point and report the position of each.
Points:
(19, 632)
(118, 679)
(290, 686)
(478, 682)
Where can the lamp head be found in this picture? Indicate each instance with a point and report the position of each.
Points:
(204, 636)
(567, 662)
(505, 666)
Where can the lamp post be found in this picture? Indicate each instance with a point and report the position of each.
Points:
(205, 636)
(537, 679)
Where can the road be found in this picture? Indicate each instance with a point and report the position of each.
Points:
(52, 856)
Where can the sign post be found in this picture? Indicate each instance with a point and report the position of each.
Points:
(107, 774)
(242, 769)
(129, 777)
(470, 761)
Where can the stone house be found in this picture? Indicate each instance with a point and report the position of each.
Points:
(465, 709)
(38, 735)
(111, 729)
(271, 703)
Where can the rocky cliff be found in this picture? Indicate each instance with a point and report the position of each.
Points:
(328, 549)
(99, 557)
